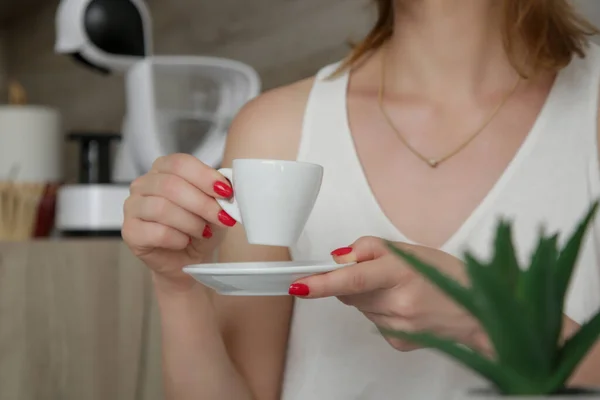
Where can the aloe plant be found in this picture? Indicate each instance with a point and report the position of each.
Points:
(520, 309)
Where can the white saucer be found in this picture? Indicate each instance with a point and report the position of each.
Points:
(257, 278)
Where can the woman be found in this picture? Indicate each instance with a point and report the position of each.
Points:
(449, 114)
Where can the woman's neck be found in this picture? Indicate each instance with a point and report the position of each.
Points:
(447, 46)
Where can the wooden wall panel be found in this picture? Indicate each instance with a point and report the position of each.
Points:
(77, 322)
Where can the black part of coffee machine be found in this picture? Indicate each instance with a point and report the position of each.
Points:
(94, 206)
(94, 156)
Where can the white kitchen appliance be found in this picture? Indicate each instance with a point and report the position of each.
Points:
(181, 104)
(93, 207)
(105, 35)
(174, 103)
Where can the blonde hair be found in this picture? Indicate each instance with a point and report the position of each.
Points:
(549, 31)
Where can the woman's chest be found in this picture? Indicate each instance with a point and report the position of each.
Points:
(430, 204)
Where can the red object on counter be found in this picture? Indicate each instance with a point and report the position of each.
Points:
(46, 212)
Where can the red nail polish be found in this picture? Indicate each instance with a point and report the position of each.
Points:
(223, 189)
(226, 219)
(299, 289)
(207, 233)
(341, 251)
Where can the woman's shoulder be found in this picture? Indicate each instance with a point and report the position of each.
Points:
(270, 125)
(289, 100)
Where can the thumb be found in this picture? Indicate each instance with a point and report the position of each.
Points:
(366, 248)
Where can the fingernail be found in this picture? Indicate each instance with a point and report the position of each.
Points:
(226, 219)
(299, 289)
(207, 233)
(223, 189)
(341, 251)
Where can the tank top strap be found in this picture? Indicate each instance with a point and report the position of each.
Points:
(575, 101)
(325, 111)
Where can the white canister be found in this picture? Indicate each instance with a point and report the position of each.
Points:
(31, 144)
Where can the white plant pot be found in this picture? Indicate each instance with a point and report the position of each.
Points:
(492, 395)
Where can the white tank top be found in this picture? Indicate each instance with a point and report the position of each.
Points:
(334, 353)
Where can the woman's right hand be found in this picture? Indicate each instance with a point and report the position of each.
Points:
(171, 218)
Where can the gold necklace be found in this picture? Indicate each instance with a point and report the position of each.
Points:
(434, 162)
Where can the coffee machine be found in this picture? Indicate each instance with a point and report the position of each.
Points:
(174, 103)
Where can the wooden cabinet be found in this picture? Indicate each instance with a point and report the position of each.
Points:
(78, 321)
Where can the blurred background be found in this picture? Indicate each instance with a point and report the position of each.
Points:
(77, 317)
(90, 93)
(284, 40)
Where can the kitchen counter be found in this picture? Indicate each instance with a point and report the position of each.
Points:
(78, 321)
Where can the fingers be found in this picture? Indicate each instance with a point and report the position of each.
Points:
(383, 322)
(390, 323)
(196, 173)
(162, 211)
(181, 193)
(364, 249)
(360, 278)
(175, 203)
(380, 301)
(148, 235)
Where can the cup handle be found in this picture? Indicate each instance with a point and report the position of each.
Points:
(230, 205)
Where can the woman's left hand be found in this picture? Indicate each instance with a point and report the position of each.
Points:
(392, 295)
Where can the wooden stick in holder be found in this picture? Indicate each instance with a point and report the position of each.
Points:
(16, 94)
(19, 204)
(19, 201)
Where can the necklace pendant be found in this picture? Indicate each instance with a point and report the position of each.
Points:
(433, 162)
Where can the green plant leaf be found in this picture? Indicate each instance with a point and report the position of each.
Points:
(506, 380)
(509, 326)
(570, 253)
(537, 291)
(521, 311)
(505, 259)
(457, 292)
(574, 350)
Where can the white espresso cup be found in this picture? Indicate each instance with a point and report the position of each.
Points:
(272, 199)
